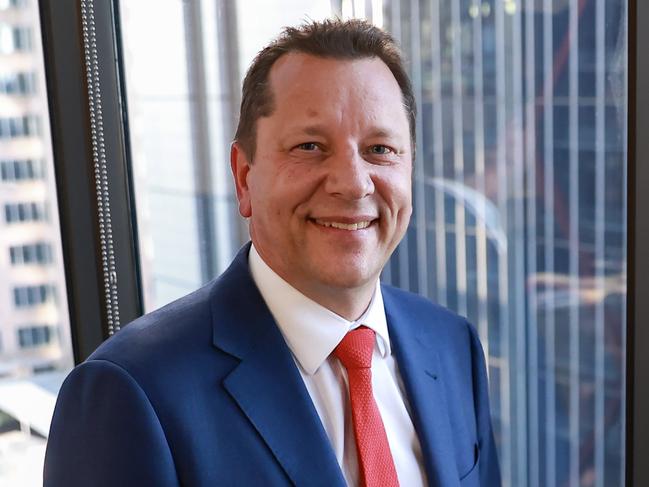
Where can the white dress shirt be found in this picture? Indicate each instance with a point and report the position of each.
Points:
(312, 332)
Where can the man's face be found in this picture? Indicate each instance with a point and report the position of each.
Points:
(329, 191)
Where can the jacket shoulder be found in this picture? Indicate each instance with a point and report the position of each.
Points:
(161, 331)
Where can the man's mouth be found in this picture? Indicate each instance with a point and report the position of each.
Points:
(344, 226)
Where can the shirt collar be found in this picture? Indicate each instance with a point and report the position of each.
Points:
(311, 330)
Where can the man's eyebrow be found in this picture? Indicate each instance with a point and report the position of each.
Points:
(313, 130)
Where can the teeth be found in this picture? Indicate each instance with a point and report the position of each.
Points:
(344, 226)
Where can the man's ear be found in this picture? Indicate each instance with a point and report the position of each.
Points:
(240, 167)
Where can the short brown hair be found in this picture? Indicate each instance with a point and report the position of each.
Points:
(332, 38)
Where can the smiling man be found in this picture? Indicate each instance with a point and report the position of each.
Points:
(327, 186)
(296, 366)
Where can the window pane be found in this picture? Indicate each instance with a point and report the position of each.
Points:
(519, 217)
(519, 191)
(34, 357)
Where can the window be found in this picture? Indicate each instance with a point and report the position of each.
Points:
(519, 192)
(36, 253)
(25, 126)
(22, 83)
(21, 170)
(25, 296)
(7, 4)
(35, 336)
(25, 212)
(15, 38)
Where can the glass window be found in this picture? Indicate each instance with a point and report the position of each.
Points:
(35, 336)
(36, 253)
(22, 38)
(17, 83)
(519, 191)
(33, 295)
(21, 170)
(28, 125)
(36, 351)
(7, 4)
(32, 125)
(14, 38)
(25, 212)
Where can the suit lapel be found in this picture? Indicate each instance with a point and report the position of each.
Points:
(266, 384)
(414, 348)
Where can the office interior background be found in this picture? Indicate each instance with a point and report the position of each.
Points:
(520, 199)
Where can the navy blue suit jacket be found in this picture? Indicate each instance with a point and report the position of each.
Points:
(205, 392)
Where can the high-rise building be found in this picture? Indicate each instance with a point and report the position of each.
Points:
(34, 327)
(35, 350)
(519, 216)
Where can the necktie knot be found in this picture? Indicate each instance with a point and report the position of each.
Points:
(355, 350)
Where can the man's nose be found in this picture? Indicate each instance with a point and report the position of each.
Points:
(349, 176)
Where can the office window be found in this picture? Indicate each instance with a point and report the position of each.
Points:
(35, 336)
(22, 37)
(36, 253)
(7, 4)
(519, 192)
(15, 38)
(25, 126)
(25, 212)
(22, 83)
(25, 296)
(21, 170)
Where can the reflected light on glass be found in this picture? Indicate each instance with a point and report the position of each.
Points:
(510, 7)
(359, 9)
(486, 9)
(348, 9)
(377, 13)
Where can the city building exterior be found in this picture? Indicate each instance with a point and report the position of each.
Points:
(34, 326)
(35, 350)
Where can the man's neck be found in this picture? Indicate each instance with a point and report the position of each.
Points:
(348, 302)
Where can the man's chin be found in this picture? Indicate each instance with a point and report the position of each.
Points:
(348, 279)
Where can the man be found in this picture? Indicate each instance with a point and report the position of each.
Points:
(295, 367)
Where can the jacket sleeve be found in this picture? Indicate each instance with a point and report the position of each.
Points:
(489, 470)
(105, 432)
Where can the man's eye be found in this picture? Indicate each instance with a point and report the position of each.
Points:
(308, 146)
(380, 149)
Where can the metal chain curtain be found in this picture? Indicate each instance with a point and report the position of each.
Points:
(99, 163)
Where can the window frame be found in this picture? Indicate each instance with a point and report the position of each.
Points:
(63, 53)
(637, 427)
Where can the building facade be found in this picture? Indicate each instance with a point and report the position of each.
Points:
(34, 325)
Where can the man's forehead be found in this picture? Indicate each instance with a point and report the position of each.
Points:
(298, 75)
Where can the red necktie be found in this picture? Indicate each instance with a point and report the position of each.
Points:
(374, 456)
